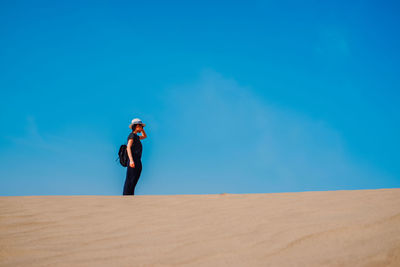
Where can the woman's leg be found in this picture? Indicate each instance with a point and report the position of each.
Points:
(129, 181)
(138, 168)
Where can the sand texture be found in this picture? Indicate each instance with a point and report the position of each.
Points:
(321, 228)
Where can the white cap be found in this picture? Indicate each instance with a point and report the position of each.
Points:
(136, 121)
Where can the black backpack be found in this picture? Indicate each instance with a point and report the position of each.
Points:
(123, 156)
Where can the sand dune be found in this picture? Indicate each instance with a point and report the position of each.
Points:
(330, 228)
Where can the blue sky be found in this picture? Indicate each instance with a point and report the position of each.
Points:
(238, 97)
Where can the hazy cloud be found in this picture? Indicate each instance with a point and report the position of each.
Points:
(217, 127)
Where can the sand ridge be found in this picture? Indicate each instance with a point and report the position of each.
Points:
(320, 228)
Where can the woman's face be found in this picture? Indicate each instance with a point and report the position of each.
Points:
(139, 127)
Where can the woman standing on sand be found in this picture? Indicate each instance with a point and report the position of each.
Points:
(134, 150)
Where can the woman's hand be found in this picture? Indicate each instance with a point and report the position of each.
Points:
(132, 164)
(144, 135)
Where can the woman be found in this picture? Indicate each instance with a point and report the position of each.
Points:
(134, 150)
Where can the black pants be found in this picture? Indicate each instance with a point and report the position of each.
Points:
(132, 177)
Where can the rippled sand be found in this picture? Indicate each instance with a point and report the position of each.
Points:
(324, 228)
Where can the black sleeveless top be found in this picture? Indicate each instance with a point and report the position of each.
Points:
(136, 147)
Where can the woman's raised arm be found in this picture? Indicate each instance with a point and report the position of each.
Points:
(144, 135)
